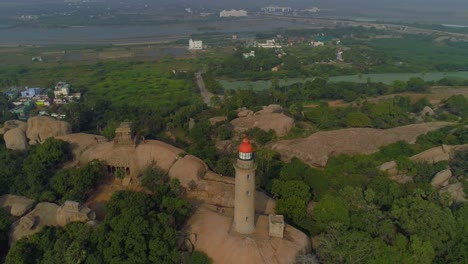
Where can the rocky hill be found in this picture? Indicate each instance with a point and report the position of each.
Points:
(316, 149)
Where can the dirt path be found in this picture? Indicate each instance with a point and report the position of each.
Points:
(201, 86)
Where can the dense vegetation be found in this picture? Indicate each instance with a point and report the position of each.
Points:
(359, 215)
(138, 228)
(365, 51)
(36, 173)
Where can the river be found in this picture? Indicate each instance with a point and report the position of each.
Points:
(136, 34)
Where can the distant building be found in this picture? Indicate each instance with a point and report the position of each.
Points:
(62, 89)
(276, 9)
(271, 43)
(316, 43)
(311, 10)
(233, 13)
(339, 55)
(249, 54)
(195, 44)
(12, 93)
(205, 14)
(30, 92)
(37, 58)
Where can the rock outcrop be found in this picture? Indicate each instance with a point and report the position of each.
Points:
(42, 127)
(11, 124)
(16, 205)
(317, 148)
(441, 178)
(456, 192)
(434, 155)
(214, 237)
(217, 119)
(49, 214)
(270, 118)
(15, 139)
(72, 211)
(44, 214)
(188, 169)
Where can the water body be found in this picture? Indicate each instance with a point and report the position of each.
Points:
(133, 34)
(387, 78)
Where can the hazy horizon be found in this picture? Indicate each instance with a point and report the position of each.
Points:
(425, 11)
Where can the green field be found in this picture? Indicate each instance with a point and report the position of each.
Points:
(142, 84)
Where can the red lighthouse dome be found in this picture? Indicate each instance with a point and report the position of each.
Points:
(245, 150)
(245, 146)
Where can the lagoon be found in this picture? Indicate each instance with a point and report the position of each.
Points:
(386, 78)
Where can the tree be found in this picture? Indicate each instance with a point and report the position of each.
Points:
(416, 84)
(198, 257)
(429, 221)
(4, 228)
(74, 184)
(42, 161)
(155, 180)
(338, 245)
(357, 119)
(331, 209)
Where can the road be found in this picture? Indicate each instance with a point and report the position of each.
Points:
(201, 86)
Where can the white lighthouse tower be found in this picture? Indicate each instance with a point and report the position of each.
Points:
(244, 203)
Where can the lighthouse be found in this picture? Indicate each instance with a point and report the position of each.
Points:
(244, 200)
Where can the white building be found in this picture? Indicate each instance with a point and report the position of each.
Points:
(269, 44)
(276, 9)
(317, 43)
(62, 89)
(249, 54)
(233, 13)
(312, 10)
(195, 44)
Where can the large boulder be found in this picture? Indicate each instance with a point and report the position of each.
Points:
(273, 108)
(456, 192)
(11, 124)
(49, 214)
(433, 155)
(188, 169)
(277, 122)
(80, 142)
(16, 205)
(217, 119)
(42, 127)
(391, 168)
(72, 211)
(15, 139)
(441, 178)
(427, 111)
(44, 214)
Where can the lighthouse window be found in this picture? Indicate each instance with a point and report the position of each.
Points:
(248, 176)
(245, 156)
(246, 218)
(248, 193)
